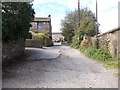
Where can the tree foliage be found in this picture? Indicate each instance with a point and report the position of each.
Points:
(16, 18)
(68, 32)
(68, 25)
(74, 34)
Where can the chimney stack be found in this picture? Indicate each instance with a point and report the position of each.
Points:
(49, 15)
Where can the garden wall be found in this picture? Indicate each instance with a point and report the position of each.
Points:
(38, 43)
(12, 49)
(48, 42)
(111, 40)
(33, 43)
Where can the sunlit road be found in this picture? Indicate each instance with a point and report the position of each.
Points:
(67, 68)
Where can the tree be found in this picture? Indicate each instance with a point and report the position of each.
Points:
(68, 32)
(16, 19)
(87, 26)
(68, 25)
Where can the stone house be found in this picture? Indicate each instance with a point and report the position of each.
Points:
(57, 36)
(42, 25)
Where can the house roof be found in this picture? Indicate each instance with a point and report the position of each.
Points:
(42, 19)
(57, 33)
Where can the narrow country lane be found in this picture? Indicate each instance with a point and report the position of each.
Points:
(58, 67)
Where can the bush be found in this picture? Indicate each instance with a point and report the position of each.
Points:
(29, 36)
(40, 36)
(75, 42)
(86, 43)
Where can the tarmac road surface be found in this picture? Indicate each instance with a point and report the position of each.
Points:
(57, 67)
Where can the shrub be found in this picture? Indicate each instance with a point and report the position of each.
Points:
(40, 36)
(75, 42)
(29, 36)
(86, 43)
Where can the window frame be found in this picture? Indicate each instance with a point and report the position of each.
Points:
(39, 27)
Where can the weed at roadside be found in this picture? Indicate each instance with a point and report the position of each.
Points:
(102, 56)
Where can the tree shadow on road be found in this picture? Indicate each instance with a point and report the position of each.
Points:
(9, 65)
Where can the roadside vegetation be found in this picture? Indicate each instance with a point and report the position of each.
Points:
(74, 36)
(102, 56)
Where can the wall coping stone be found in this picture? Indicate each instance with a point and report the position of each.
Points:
(110, 31)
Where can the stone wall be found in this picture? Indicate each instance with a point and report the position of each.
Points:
(38, 43)
(48, 42)
(57, 37)
(109, 40)
(118, 40)
(33, 43)
(12, 49)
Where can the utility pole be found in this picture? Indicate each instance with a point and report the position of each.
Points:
(96, 18)
(96, 25)
(78, 13)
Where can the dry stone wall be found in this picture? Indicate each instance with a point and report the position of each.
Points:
(38, 43)
(12, 49)
(110, 40)
(48, 42)
(33, 43)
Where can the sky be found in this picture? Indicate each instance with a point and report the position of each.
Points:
(107, 11)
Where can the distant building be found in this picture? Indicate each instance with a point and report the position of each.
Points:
(42, 25)
(57, 37)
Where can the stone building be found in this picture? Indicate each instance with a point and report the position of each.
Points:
(42, 25)
(57, 36)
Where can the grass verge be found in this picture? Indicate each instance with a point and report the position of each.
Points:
(112, 65)
(101, 55)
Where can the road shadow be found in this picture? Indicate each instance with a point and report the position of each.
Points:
(9, 65)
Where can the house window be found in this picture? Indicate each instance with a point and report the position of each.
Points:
(40, 25)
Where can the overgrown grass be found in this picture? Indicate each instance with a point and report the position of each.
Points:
(112, 65)
(117, 74)
(101, 55)
(74, 46)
